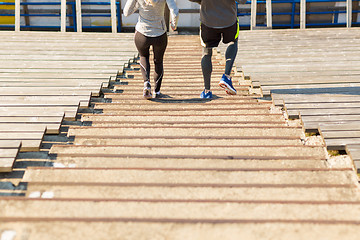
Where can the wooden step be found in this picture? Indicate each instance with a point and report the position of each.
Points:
(152, 141)
(119, 98)
(245, 119)
(248, 192)
(177, 107)
(185, 131)
(70, 112)
(209, 150)
(181, 209)
(214, 111)
(8, 153)
(109, 161)
(181, 124)
(213, 176)
(211, 229)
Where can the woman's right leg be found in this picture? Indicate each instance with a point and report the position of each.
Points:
(159, 47)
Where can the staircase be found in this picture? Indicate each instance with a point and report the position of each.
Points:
(181, 167)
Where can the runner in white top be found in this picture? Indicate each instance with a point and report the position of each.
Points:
(151, 31)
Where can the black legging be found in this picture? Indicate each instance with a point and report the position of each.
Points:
(159, 44)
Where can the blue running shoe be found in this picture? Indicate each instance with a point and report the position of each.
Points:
(226, 83)
(206, 95)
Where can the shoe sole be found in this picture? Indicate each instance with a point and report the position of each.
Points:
(227, 88)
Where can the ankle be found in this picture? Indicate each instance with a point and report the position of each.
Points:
(206, 90)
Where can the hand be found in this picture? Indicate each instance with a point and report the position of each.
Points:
(148, 2)
(173, 27)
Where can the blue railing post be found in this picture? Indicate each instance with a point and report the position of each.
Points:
(293, 8)
(118, 15)
(73, 7)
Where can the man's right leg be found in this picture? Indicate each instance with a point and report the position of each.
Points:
(206, 66)
(210, 38)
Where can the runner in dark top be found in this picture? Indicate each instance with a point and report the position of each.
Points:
(218, 21)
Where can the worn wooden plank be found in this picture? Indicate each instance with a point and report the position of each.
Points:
(70, 112)
(29, 91)
(331, 105)
(30, 141)
(14, 82)
(300, 79)
(354, 152)
(331, 112)
(70, 58)
(342, 90)
(10, 144)
(329, 119)
(205, 229)
(49, 75)
(71, 51)
(337, 136)
(49, 64)
(316, 98)
(14, 119)
(51, 100)
(340, 127)
(51, 128)
(312, 88)
(314, 125)
(59, 44)
(340, 143)
(48, 71)
(8, 152)
(326, 111)
(209, 176)
(36, 135)
(20, 103)
(6, 164)
(341, 134)
(22, 128)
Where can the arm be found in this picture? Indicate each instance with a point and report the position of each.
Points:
(130, 7)
(174, 13)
